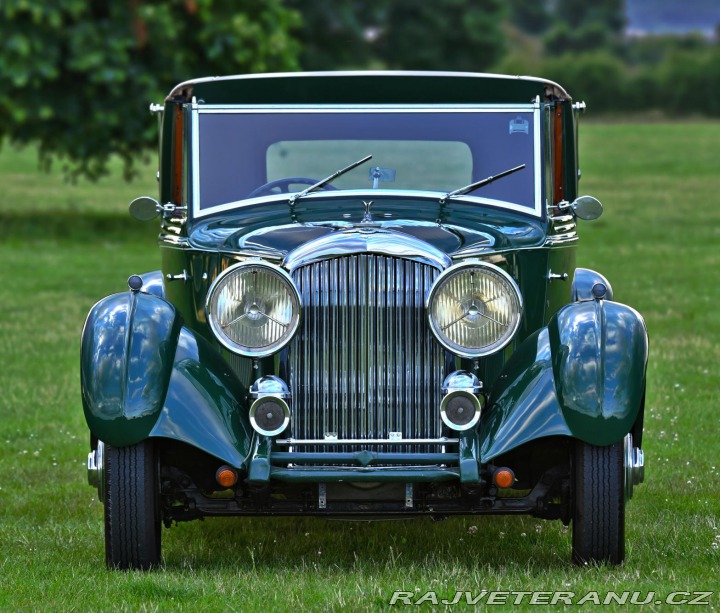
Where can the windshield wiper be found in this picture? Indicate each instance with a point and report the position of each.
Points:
(483, 182)
(327, 180)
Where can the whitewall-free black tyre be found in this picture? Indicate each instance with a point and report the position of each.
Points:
(132, 510)
(598, 524)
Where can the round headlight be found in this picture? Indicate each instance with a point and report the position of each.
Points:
(474, 309)
(253, 308)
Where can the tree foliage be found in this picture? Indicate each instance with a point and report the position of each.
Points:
(586, 26)
(400, 34)
(337, 34)
(447, 35)
(78, 75)
(532, 16)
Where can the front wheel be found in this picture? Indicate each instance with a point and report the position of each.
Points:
(599, 509)
(132, 510)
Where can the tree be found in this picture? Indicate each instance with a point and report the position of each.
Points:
(597, 77)
(443, 35)
(337, 34)
(586, 26)
(531, 16)
(400, 34)
(78, 75)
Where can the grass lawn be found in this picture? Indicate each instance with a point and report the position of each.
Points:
(64, 246)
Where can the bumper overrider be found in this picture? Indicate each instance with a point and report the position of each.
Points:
(145, 375)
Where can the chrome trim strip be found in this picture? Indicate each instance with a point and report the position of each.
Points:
(195, 157)
(368, 441)
(562, 239)
(232, 109)
(198, 212)
(561, 219)
(538, 162)
(361, 194)
(358, 240)
(562, 227)
(170, 240)
(558, 90)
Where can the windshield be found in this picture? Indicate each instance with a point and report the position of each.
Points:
(252, 153)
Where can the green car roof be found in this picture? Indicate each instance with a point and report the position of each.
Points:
(370, 87)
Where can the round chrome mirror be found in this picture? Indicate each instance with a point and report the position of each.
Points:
(144, 208)
(587, 208)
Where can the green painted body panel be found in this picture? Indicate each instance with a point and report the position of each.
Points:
(128, 345)
(258, 461)
(205, 405)
(469, 456)
(523, 404)
(366, 88)
(581, 376)
(600, 352)
(560, 261)
(143, 375)
(188, 300)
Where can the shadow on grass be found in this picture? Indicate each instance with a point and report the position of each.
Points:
(465, 543)
(74, 227)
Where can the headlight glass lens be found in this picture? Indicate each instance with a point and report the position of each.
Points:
(253, 309)
(474, 309)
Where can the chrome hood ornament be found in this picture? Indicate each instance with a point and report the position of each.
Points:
(367, 217)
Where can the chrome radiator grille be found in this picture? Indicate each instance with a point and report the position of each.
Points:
(364, 363)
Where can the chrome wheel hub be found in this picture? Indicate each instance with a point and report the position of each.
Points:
(95, 468)
(634, 466)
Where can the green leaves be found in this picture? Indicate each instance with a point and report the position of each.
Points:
(400, 34)
(78, 76)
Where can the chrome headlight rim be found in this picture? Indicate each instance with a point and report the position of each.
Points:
(228, 343)
(458, 268)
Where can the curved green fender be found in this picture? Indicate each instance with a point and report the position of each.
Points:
(582, 376)
(144, 375)
(128, 348)
(205, 405)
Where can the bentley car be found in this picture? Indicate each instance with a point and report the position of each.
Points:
(368, 308)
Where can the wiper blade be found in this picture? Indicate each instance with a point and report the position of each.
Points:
(483, 182)
(327, 180)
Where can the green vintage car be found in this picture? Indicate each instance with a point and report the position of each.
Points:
(368, 308)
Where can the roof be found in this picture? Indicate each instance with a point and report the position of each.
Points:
(368, 87)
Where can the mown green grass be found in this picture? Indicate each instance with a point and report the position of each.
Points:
(658, 245)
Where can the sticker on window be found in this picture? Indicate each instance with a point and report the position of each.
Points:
(519, 126)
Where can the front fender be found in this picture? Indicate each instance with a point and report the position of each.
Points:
(600, 352)
(127, 354)
(144, 375)
(205, 404)
(583, 376)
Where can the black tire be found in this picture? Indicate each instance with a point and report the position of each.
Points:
(599, 509)
(132, 510)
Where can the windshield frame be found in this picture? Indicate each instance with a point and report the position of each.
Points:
(198, 109)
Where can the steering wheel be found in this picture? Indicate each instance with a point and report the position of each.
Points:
(282, 186)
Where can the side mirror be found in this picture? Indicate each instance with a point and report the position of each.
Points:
(145, 208)
(586, 207)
